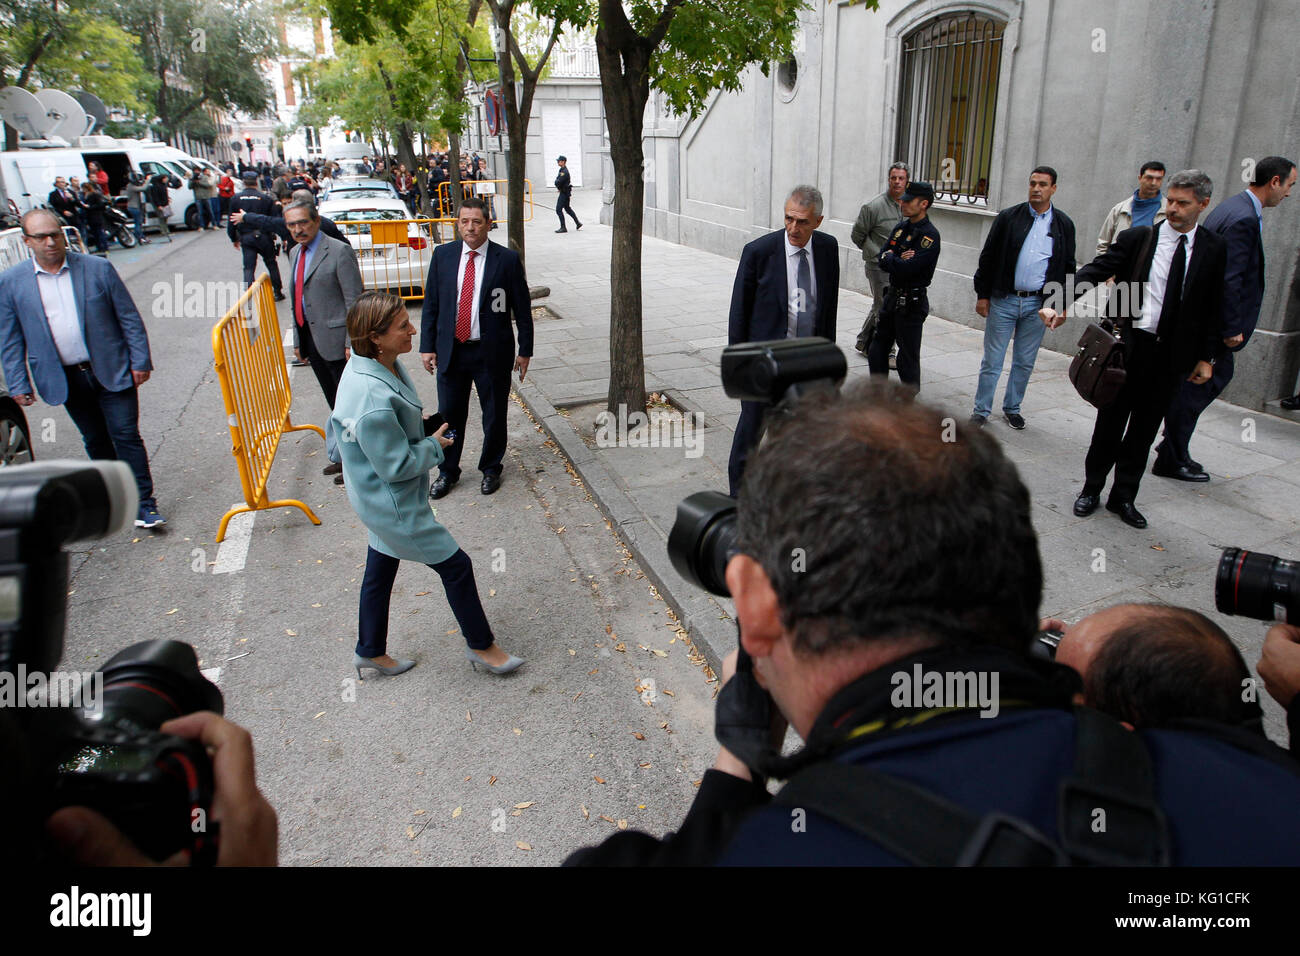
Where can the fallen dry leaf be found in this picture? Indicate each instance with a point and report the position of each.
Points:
(593, 671)
(457, 812)
(669, 693)
(597, 779)
(516, 813)
(522, 846)
(525, 806)
(291, 633)
(586, 814)
(491, 781)
(1156, 547)
(577, 695)
(492, 592)
(638, 735)
(609, 819)
(321, 714)
(622, 824)
(572, 652)
(620, 647)
(659, 653)
(171, 612)
(467, 716)
(609, 629)
(421, 593)
(314, 605)
(410, 833)
(419, 813)
(644, 766)
(517, 731)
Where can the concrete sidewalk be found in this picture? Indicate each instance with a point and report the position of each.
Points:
(1252, 501)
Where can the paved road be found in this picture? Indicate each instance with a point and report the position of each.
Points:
(427, 767)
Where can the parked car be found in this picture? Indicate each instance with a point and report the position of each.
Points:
(15, 436)
(399, 261)
(360, 189)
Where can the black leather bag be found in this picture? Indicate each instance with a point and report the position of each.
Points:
(1097, 370)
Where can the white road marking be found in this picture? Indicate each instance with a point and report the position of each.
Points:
(233, 552)
(212, 673)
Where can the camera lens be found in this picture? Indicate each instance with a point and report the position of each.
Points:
(1257, 585)
(153, 682)
(703, 540)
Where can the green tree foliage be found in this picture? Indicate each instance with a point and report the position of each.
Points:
(202, 53)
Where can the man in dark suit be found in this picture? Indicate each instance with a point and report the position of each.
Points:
(1168, 299)
(1239, 221)
(64, 201)
(782, 291)
(254, 242)
(474, 287)
(70, 318)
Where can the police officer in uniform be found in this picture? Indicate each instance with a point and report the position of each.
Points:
(908, 260)
(255, 242)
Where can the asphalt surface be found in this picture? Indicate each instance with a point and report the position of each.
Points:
(608, 724)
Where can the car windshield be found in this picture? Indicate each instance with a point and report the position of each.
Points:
(361, 215)
(346, 193)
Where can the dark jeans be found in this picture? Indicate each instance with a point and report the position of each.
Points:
(1122, 437)
(214, 210)
(205, 213)
(137, 216)
(457, 574)
(562, 206)
(97, 234)
(328, 371)
(109, 423)
(267, 252)
(749, 430)
(901, 320)
(469, 366)
(1185, 411)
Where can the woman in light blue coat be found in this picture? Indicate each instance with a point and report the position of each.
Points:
(386, 460)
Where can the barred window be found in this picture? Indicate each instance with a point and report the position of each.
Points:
(948, 102)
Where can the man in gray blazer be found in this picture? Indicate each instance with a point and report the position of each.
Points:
(70, 318)
(324, 281)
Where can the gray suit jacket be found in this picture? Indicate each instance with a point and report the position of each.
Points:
(331, 284)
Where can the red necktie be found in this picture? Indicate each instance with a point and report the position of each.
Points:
(465, 310)
(297, 286)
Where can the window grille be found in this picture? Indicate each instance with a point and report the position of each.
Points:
(948, 103)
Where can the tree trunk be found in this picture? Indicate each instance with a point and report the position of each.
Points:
(625, 88)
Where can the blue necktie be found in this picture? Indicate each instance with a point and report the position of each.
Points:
(804, 318)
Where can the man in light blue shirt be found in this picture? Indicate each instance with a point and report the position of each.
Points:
(1029, 247)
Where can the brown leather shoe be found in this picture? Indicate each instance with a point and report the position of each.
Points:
(333, 468)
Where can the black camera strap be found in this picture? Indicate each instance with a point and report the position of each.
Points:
(1107, 810)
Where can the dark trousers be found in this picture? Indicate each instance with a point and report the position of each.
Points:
(205, 213)
(1125, 429)
(1185, 410)
(562, 206)
(97, 233)
(901, 321)
(328, 371)
(749, 431)
(457, 574)
(469, 366)
(267, 251)
(109, 423)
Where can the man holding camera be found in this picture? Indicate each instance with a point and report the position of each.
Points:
(843, 641)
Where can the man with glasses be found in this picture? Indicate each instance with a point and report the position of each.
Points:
(70, 318)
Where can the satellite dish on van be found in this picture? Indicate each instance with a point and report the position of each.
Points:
(67, 118)
(24, 112)
(96, 112)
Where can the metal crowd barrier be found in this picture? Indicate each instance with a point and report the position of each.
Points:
(495, 191)
(393, 253)
(254, 380)
(13, 250)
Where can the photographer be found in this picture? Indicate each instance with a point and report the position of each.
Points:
(927, 565)
(1152, 665)
(1279, 667)
(248, 822)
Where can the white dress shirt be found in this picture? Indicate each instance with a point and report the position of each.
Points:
(792, 282)
(480, 263)
(61, 313)
(1154, 299)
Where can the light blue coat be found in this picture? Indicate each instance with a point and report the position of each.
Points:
(386, 461)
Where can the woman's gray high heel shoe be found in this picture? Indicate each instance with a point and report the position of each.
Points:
(512, 662)
(360, 662)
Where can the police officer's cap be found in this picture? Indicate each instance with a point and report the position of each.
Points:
(561, 159)
(919, 190)
(249, 176)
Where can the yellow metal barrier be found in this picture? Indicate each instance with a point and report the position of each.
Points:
(393, 254)
(495, 191)
(255, 385)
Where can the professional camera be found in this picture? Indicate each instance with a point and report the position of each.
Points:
(1257, 585)
(92, 740)
(776, 374)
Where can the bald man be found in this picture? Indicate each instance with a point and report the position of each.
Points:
(1148, 665)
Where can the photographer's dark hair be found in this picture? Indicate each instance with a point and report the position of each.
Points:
(1168, 664)
(879, 517)
(1152, 164)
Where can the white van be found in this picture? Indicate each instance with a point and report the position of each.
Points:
(27, 175)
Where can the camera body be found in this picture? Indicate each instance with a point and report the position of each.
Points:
(92, 740)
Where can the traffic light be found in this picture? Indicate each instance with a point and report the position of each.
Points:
(248, 141)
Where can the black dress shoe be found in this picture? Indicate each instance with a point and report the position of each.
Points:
(1291, 404)
(1196, 465)
(1181, 472)
(1086, 504)
(491, 483)
(279, 297)
(441, 487)
(1127, 513)
(333, 468)
(979, 421)
(338, 479)
(578, 226)
(561, 230)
